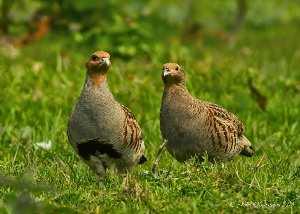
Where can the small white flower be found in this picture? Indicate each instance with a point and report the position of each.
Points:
(44, 145)
(146, 172)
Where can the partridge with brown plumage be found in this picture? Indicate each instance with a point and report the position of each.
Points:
(104, 133)
(191, 127)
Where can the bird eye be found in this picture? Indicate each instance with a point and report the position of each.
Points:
(177, 68)
(95, 58)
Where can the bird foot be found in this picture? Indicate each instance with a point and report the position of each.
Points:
(155, 163)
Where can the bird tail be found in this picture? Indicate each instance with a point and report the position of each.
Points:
(248, 149)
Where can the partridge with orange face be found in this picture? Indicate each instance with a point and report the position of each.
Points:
(104, 133)
(193, 127)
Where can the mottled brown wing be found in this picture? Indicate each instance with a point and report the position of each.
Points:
(132, 133)
(219, 112)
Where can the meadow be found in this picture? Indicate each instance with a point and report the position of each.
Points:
(257, 78)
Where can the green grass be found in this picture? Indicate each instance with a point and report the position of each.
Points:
(40, 85)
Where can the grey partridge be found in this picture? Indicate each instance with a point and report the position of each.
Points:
(191, 127)
(103, 132)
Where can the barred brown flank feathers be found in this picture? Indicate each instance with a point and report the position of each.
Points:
(130, 123)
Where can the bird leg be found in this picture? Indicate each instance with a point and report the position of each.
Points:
(155, 163)
(125, 180)
(97, 167)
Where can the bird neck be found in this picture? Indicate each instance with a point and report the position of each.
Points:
(98, 86)
(96, 79)
(175, 90)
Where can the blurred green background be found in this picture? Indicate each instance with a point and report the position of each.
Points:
(241, 54)
(141, 28)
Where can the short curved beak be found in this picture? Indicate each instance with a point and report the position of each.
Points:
(106, 61)
(166, 72)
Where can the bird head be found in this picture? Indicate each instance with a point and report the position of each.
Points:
(98, 62)
(172, 74)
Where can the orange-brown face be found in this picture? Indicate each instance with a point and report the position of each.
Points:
(98, 62)
(172, 74)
